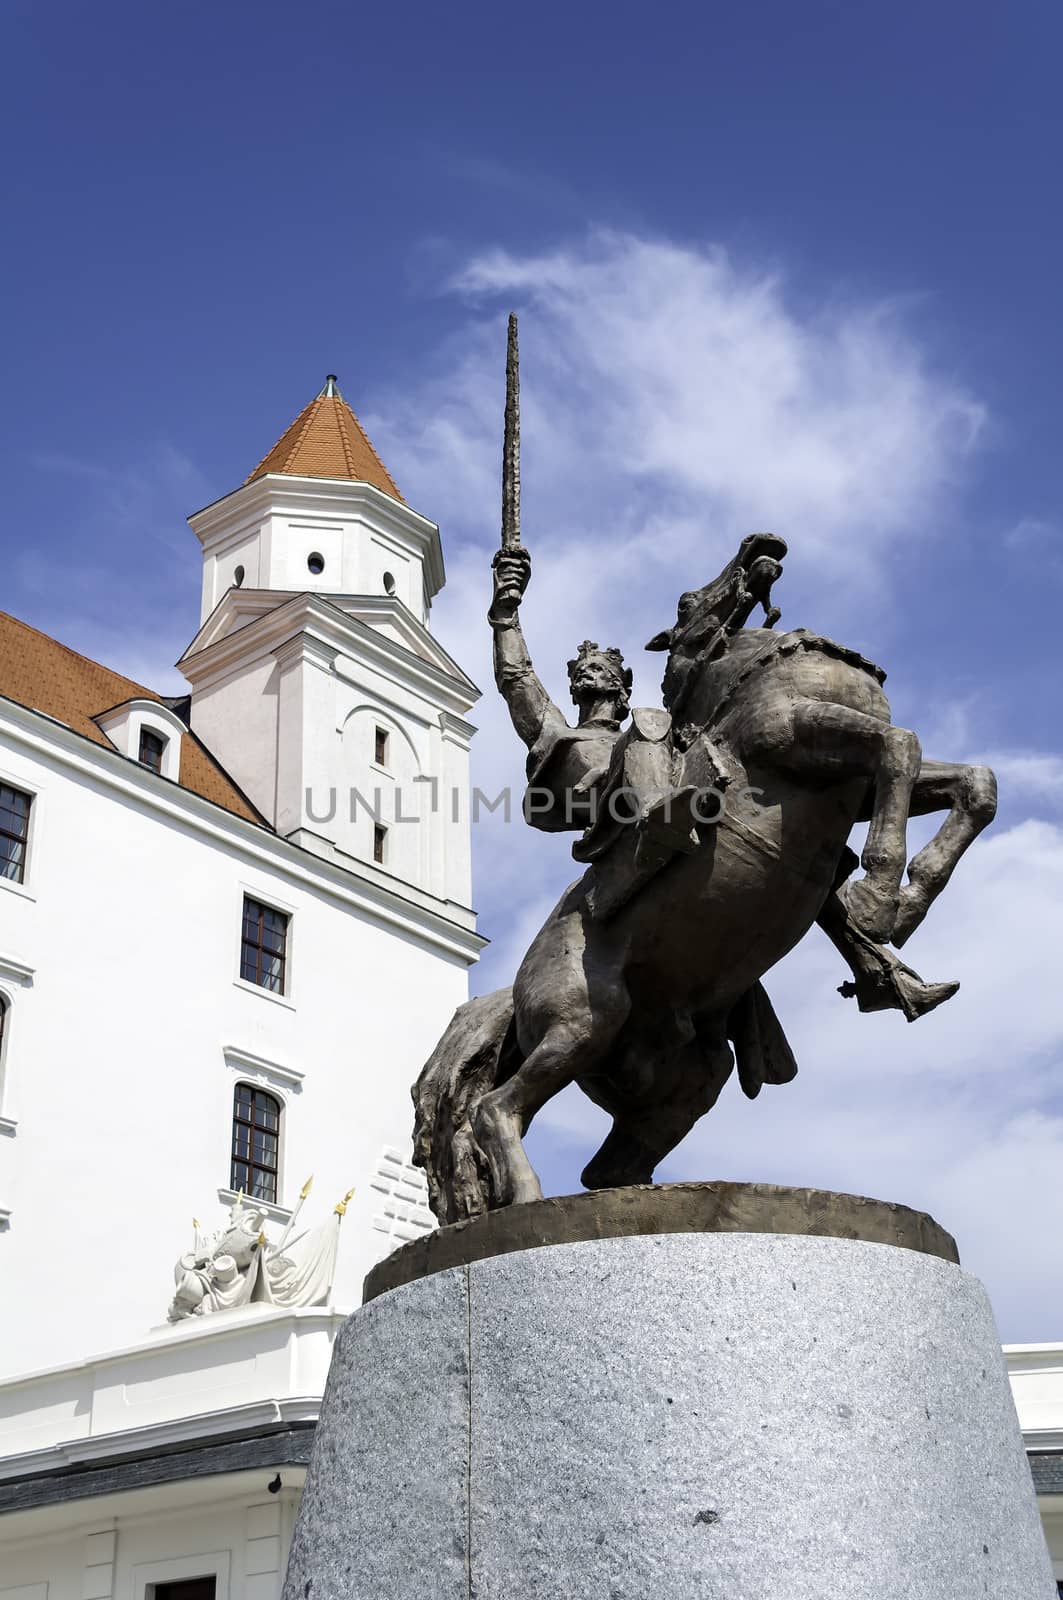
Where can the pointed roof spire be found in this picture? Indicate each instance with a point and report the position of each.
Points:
(326, 440)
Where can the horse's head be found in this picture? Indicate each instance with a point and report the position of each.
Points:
(708, 617)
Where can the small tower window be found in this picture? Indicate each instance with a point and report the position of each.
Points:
(380, 843)
(238, 577)
(264, 946)
(152, 746)
(14, 832)
(380, 747)
(389, 583)
(316, 563)
(256, 1143)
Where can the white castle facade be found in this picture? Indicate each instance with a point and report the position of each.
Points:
(232, 927)
(231, 930)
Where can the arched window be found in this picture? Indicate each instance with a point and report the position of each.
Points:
(256, 1143)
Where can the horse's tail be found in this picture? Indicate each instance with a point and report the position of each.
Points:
(469, 1060)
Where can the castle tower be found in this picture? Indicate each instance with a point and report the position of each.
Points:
(315, 679)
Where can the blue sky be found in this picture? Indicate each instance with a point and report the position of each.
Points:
(778, 265)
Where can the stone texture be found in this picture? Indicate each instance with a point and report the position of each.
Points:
(661, 1208)
(689, 1415)
(385, 1509)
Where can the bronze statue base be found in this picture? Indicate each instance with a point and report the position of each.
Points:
(658, 1208)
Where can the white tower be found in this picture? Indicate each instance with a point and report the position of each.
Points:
(314, 678)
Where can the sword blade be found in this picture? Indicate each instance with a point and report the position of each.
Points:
(511, 444)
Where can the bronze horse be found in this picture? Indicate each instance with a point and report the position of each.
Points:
(641, 1008)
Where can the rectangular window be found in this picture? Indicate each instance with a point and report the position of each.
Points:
(264, 946)
(186, 1589)
(152, 746)
(14, 832)
(380, 843)
(380, 746)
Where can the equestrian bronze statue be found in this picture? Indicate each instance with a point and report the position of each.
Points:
(714, 833)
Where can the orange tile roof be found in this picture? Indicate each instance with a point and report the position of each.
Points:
(38, 672)
(326, 440)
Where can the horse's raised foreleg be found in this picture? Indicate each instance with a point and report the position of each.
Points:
(969, 794)
(829, 741)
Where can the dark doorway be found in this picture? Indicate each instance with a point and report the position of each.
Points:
(186, 1589)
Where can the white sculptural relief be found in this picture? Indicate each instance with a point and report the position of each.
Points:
(239, 1265)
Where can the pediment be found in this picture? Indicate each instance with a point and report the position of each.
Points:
(261, 610)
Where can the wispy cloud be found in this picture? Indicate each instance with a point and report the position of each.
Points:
(1029, 531)
(674, 399)
(1033, 775)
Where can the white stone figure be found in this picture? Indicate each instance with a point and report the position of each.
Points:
(239, 1265)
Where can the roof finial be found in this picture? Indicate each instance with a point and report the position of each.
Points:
(332, 388)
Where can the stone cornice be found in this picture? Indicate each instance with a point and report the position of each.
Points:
(441, 681)
(295, 496)
(439, 924)
(272, 1074)
(16, 971)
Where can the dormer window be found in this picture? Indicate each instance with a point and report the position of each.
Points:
(146, 731)
(380, 747)
(152, 749)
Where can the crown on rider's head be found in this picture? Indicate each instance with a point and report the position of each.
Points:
(613, 660)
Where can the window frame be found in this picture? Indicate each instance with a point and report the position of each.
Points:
(216, 1564)
(15, 979)
(26, 888)
(255, 1091)
(24, 838)
(8, 1123)
(251, 891)
(264, 953)
(147, 732)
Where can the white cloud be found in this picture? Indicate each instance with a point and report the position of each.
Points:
(1035, 775)
(1030, 531)
(673, 400)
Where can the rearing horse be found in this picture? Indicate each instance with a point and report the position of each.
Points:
(639, 1007)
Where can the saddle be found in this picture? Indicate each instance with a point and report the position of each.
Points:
(648, 809)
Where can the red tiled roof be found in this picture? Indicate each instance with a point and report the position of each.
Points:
(39, 672)
(326, 440)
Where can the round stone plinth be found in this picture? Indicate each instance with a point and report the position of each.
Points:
(675, 1415)
(648, 1208)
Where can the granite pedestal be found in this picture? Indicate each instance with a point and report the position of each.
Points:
(663, 1412)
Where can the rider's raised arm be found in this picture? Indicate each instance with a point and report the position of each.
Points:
(518, 682)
